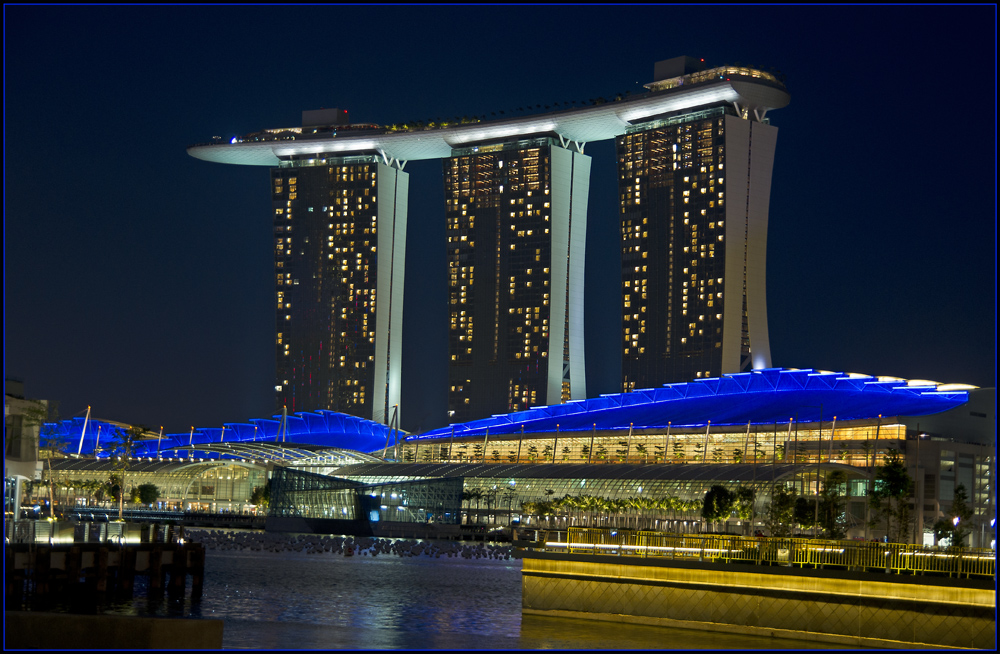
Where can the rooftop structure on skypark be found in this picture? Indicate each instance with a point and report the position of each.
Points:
(752, 92)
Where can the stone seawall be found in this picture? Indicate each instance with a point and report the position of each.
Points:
(846, 608)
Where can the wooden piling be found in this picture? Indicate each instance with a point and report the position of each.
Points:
(101, 565)
(178, 575)
(126, 571)
(41, 574)
(197, 572)
(156, 571)
(74, 562)
(43, 564)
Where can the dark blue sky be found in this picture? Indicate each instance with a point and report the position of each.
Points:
(139, 280)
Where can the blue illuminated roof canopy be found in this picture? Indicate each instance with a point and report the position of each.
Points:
(321, 428)
(759, 397)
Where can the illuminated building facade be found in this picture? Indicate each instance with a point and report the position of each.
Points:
(516, 217)
(694, 188)
(339, 234)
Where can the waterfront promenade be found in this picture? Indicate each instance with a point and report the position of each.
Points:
(837, 592)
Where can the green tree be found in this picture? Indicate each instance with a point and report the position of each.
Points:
(805, 512)
(643, 452)
(957, 525)
(148, 493)
(678, 452)
(718, 504)
(746, 503)
(602, 452)
(123, 444)
(890, 497)
(474, 494)
(832, 518)
(780, 513)
(261, 496)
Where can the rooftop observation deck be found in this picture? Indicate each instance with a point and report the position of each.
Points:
(750, 91)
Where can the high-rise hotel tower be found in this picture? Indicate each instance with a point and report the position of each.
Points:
(694, 166)
(339, 256)
(516, 214)
(694, 188)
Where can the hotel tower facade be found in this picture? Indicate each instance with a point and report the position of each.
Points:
(694, 154)
(516, 215)
(694, 190)
(339, 239)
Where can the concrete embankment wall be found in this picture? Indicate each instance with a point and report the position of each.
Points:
(31, 630)
(846, 608)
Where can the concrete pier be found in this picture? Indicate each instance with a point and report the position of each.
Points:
(34, 630)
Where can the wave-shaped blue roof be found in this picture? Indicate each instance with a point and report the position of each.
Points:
(760, 397)
(323, 428)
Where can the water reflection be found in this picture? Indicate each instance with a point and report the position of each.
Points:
(309, 601)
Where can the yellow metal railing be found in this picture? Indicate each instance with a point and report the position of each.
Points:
(899, 558)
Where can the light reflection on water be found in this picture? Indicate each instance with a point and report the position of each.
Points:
(295, 600)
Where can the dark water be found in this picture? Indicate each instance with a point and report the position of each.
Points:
(295, 600)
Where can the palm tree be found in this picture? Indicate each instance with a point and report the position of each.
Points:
(124, 444)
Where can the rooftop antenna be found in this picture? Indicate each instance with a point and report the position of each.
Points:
(83, 431)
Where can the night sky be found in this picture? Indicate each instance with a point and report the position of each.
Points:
(139, 280)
